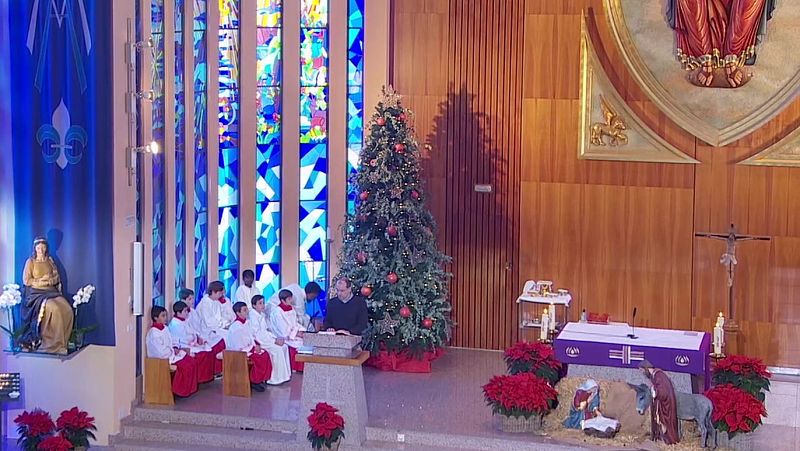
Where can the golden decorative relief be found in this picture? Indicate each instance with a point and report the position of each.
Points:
(612, 126)
(785, 152)
(620, 135)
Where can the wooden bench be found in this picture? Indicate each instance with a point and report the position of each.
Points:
(158, 382)
(236, 374)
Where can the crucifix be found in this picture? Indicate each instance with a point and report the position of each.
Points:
(728, 259)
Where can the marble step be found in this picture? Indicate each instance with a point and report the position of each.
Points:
(208, 437)
(140, 445)
(172, 416)
(431, 440)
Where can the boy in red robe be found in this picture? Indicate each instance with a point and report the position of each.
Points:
(242, 338)
(160, 346)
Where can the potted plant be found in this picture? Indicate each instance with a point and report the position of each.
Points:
(736, 414)
(326, 427)
(76, 426)
(9, 299)
(749, 374)
(536, 358)
(33, 428)
(83, 296)
(521, 400)
(55, 443)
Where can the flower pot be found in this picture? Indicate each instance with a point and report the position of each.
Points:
(334, 446)
(520, 424)
(739, 442)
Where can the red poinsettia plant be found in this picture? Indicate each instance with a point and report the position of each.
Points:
(748, 373)
(76, 426)
(519, 395)
(735, 410)
(537, 358)
(326, 426)
(33, 427)
(55, 443)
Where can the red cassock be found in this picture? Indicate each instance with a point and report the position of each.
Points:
(219, 347)
(261, 369)
(726, 29)
(206, 362)
(184, 381)
(296, 366)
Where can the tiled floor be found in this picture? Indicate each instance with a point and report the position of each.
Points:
(449, 401)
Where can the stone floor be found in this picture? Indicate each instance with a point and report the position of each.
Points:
(449, 402)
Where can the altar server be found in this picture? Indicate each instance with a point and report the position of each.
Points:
(187, 296)
(214, 316)
(184, 336)
(284, 324)
(303, 299)
(241, 338)
(159, 346)
(246, 290)
(276, 347)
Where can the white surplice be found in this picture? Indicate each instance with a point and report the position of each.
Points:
(279, 355)
(284, 325)
(159, 345)
(298, 303)
(245, 294)
(241, 338)
(185, 336)
(213, 318)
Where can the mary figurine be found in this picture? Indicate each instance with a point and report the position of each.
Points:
(584, 413)
(47, 316)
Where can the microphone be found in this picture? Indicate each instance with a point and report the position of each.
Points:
(632, 335)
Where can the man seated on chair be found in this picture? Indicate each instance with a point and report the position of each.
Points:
(277, 348)
(159, 346)
(241, 338)
(306, 304)
(185, 336)
(347, 313)
(214, 316)
(284, 324)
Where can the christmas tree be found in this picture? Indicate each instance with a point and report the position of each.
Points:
(389, 250)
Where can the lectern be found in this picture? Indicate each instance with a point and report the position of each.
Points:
(333, 375)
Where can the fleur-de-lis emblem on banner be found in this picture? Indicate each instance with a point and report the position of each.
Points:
(62, 143)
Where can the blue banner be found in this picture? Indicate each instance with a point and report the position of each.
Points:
(62, 145)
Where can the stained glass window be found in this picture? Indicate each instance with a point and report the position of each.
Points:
(180, 152)
(355, 95)
(228, 170)
(314, 141)
(200, 150)
(268, 145)
(158, 124)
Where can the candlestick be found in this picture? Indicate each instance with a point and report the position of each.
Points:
(545, 326)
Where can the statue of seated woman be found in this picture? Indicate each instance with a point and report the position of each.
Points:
(47, 315)
(584, 413)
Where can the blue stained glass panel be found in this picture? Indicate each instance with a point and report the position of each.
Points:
(313, 172)
(228, 118)
(268, 278)
(355, 14)
(199, 12)
(313, 230)
(199, 50)
(355, 57)
(355, 115)
(228, 235)
(316, 271)
(313, 115)
(228, 59)
(228, 190)
(314, 57)
(268, 56)
(268, 221)
(314, 13)
(156, 16)
(178, 9)
(180, 163)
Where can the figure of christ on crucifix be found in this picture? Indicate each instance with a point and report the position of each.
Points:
(728, 259)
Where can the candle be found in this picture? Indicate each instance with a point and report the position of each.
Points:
(545, 326)
(552, 317)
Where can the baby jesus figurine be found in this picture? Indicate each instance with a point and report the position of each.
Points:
(585, 412)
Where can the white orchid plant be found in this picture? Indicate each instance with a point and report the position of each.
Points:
(83, 296)
(10, 298)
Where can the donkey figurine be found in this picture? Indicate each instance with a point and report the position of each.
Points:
(689, 407)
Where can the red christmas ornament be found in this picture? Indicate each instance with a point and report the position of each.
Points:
(366, 291)
(405, 312)
(361, 257)
(399, 147)
(402, 117)
(364, 195)
(427, 323)
(380, 121)
(415, 195)
(391, 230)
(392, 278)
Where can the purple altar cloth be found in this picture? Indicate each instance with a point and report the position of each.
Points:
(608, 345)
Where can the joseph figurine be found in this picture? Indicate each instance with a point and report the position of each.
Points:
(47, 315)
(664, 410)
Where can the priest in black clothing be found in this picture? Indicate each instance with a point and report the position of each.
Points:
(346, 312)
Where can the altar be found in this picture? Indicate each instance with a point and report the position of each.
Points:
(591, 349)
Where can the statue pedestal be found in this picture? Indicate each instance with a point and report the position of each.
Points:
(333, 374)
(731, 329)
